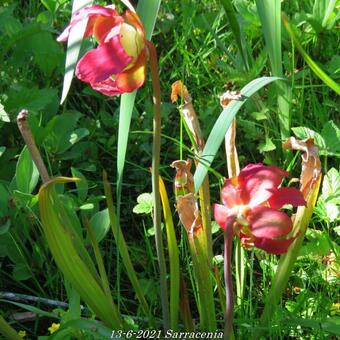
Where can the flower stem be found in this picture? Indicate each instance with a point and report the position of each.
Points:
(26, 133)
(229, 310)
(155, 182)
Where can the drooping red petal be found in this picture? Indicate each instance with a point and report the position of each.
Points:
(268, 222)
(102, 62)
(283, 196)
(134, 77)
(223, 216)
(107, 87)
(273, 246)
(255, 181)
(230, 194)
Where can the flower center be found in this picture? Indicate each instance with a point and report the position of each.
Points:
(131, 41)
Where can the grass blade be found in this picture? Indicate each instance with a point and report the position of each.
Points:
(73, 47)
(311, 63)
(221, 126)
(173, 256)
(123, 249)
(7, 331)
(270, 15)
(235, 28)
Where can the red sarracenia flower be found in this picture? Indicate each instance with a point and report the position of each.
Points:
(251, 203)
(119, 63)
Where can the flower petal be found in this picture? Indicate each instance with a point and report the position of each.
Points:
(102, 62)
(134, 19)
(230, 194)
(283, 196)
(223, 216)
(134, 77)
(255, 181)
(269, 223)
(107, 87)
(273, 246)
(107, 25)
(91, 13)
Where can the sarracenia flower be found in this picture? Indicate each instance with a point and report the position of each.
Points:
(119, 63)
(251, 203)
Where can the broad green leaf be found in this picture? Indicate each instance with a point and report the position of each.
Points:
(331, 184)
(311, 63)
(331, 136)
(221, 126)
(32, 99)
(26, 174)
(100, 222)
(73, 47)
(145, 204)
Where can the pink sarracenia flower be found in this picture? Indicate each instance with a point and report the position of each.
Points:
(119, 63)
(251, 203)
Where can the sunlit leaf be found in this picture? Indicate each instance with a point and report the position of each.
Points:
(221, 126)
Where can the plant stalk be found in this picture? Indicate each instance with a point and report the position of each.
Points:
(229, 310)
(155, 182)
(26, 133)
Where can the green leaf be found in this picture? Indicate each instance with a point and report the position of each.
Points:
(145, 204)
(26, 174)
(331, 136)
(32, 99)
(331, 184)
(3, 114)
(267, 145)
(71, 256)
(100, 223)
(221, 126)
(302, 132)
(82, 185)
(270, 15)
(2, 150)
(73, 47)
(21, 272)
(50, 5)
(311, 63)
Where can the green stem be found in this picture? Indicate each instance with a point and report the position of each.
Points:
(229, 310)
(155, 184)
